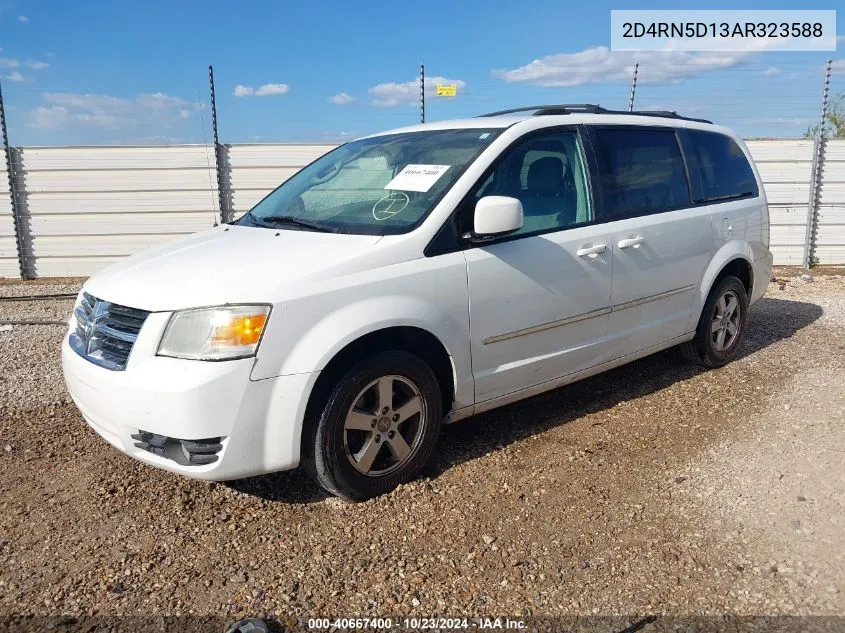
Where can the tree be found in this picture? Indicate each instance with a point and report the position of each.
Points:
(835, 124)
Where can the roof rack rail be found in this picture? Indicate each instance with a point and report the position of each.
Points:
(590, 108)
(555, 108)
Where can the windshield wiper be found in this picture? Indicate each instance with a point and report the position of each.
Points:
(289, 219)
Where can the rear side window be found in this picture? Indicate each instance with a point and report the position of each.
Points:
(722, 168)
(641, 171)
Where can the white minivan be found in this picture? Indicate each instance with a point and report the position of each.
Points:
(416, 277)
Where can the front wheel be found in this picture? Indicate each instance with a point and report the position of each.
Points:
(378, 427)
(721, 326)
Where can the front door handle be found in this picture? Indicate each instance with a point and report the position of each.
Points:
(591, 251)
(631, 241)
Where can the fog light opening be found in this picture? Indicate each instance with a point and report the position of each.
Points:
(183, 452)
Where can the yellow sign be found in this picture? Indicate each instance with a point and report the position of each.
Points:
(447, 90)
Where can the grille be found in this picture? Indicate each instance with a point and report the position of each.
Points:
(105, 332)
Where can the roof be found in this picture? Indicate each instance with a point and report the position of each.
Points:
(564, 114)
(559, 119)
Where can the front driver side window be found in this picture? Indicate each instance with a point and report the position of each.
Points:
(546, 173)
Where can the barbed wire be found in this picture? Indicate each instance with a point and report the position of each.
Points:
(774, 97)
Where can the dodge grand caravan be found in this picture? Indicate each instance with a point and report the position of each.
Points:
(414, 278)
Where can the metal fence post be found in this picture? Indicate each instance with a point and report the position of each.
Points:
(13, 196)
(817, 176)
(422, 93)
(633, 88)
(220, 158)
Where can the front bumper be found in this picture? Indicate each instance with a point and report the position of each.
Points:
(260, 421)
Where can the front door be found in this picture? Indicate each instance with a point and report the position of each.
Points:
(539, 299)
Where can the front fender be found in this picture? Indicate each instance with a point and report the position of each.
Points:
(321, 341)
(730, 251)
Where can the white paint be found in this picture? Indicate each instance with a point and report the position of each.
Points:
(391, 204)
(497, 215)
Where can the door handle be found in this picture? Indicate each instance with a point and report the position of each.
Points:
(631, 241)
(591, 251)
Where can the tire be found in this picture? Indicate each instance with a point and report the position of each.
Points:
(720, 329)
(355, 449)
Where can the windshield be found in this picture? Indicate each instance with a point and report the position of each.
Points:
(378, 186)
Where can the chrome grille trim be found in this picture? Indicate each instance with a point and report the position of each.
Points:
(105, 332)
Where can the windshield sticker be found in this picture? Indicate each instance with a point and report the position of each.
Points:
(390, 205)
(417, 177)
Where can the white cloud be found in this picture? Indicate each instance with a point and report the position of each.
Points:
(49, 118)
(7, 62)
(262, 91)
(408, 93)
(837, 67)
(161, 139)
(151, 110)
(272, 89)
(341, 98)
(778, 121)
(23, 19)
(771, 72)
(601, 65)
(15, 76)
(36, 65)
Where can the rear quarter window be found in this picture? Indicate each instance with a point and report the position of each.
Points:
(641, 171)
(722, 170)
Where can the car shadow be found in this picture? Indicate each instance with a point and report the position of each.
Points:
(289, 486)
(770, 321)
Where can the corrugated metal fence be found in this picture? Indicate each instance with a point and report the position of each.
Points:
(87, 206)
(83, 207)
(830, 240)
(8, 246)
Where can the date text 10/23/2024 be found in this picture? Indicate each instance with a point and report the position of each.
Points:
(418, 623)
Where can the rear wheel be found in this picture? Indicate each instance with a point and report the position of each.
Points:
(378, 427)
(721, 326)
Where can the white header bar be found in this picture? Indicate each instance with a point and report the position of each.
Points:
(746, 31)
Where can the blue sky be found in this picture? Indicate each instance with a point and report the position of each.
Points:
(93, 72)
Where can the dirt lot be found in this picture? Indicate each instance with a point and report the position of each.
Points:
(657, 488)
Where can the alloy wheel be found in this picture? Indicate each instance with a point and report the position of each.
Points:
(384, 426)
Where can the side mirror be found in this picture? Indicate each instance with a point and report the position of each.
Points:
(496, 216)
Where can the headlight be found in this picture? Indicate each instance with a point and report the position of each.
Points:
(71, 323)
(221, 333)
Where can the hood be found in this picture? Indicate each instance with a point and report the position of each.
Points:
(227, 264)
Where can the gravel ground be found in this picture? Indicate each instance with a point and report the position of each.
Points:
(657, 488)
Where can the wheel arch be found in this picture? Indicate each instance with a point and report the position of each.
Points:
(413, 339)
(734, 258)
